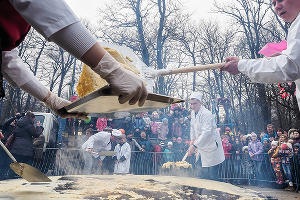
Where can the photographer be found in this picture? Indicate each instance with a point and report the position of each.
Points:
(7, 129)
(9, 126)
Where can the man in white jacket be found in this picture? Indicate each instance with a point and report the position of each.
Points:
(122, 158)
(205, 138)
(97, 143)
(57, 23)
(283, 66)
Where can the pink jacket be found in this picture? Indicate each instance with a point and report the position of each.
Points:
(101, 124)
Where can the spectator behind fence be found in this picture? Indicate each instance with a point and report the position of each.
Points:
(285, 152)
(236, 149)
(296, 137)
(38, 144)
(101, 124)
(276, 161)
(168, 155)
(179, 149)
(256, 156)
(122, 157)
(266, 145)
(226, 146)
(228, 131)
(279, 132)
(247, 164)
(176, 128)
(154, 124)
(128, 126)
(7, 129)
(138, 123)
(22, 146)
(270, 133)
(9, 125)
(144, 158)
(163, 129)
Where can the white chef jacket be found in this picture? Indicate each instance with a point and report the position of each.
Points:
(124, 150)
(206, 137)
(98, 142)
(285, 67)
(53, 15)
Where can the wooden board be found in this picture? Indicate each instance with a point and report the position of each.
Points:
(104, 103)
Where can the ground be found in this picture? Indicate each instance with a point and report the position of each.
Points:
(271, 193)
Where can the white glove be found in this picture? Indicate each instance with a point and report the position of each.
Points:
(55, 103)
(124, 83)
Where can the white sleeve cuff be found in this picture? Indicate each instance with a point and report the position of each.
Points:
(47, 17)
(75, 39)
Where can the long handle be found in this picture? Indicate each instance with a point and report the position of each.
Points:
(8, 153)
(197, 68)
(185, 156)
(137, 144)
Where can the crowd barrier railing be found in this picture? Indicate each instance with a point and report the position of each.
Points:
(238, 169)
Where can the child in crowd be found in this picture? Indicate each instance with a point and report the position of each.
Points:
(168, 153)
(276, 161)
(285, 153)
(163, 129)
(247, 165)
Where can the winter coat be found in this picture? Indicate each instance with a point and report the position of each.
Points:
(227, 149)
(168, 155)
(154, 126)
(139, 123)
(101, 124)
(25, 132)
(38, 144)
(163, 131)
(257, 149)
(176, 129)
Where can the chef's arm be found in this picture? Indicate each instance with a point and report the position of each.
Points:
(56, 22)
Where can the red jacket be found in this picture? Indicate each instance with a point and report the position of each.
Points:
(13, 27)
(227, 149)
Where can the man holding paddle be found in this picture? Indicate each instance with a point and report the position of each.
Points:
(56, 22)
(205, 138)
(283, 66)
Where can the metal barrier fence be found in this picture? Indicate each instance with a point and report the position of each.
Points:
(238, 169)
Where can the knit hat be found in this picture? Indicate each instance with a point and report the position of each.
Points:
(170, 143)
(253, 134)
(164, 120)
(244, 148)
(274, 143)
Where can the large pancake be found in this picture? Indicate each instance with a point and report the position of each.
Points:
(123, 187)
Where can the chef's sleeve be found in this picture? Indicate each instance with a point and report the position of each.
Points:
(285, 67)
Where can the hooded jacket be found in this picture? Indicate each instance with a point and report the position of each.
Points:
(25, 132)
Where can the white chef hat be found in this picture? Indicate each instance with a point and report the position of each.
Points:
(196, 95)
(116, 133)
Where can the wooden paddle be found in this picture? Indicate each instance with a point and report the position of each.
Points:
(26, 171)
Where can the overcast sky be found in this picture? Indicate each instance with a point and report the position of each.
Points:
(88, 8)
